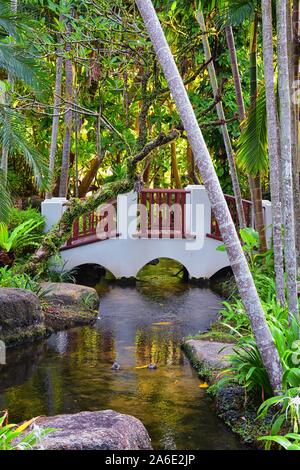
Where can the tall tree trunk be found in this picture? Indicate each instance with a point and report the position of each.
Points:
(294, 60)
(274, 147)
(221, 116)
(64, 175)
(286, 157)
(237, 86)
(255, 181)
(7, 99)
(174, 166)
(235, 253)
(55, 120)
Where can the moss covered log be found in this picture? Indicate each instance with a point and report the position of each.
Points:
(60, 232)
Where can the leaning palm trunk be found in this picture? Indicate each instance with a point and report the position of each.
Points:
(274, 147)
(286, 158)
(221, 116)
(235, 253)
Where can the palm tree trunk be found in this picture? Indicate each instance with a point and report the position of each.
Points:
(221, 116)
(7, 99)
(64, 175)
(274, 147)
(294, 59)
(235, 253)
(55, 120)
(286, 157)
(255, 181)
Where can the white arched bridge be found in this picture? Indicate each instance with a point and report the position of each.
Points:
(124, 235)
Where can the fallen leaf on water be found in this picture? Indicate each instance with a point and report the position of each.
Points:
(142, 367)
(204, 385)
(161, 323)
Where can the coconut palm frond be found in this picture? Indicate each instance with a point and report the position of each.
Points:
(234, 12)
(5, 201)
(12, 60)
(8, 20)
(13, 136)
(252, 151)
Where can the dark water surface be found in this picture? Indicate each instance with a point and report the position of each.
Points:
(71, 371)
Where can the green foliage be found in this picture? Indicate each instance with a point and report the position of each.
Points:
(247, 369)
(20, 237)
(15, 437)
(60, 274)
(290, 441)
(287, 415)
(14, 136)
(18, 217)
(9, 279)
(252, 149)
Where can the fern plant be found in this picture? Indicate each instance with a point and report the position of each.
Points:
(13, 242)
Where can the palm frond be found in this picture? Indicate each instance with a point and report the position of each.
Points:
(15, 62)
(234, 12)
(5, 201)
(252, 149)
(8, 20)
(13, 135)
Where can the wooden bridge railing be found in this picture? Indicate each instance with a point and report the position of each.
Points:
(85, 227)
(247, 206)
(162, 213)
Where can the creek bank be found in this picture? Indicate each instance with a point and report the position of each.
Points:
(25, 318)
(236, 408)
(98, 430)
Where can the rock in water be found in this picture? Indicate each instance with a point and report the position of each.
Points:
(64, 293)
(98, 430)
(21, 317)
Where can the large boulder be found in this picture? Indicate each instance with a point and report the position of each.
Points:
(63, 293)
(210, 353)
(21, 317)
(99, 430)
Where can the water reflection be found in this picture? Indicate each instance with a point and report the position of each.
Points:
(71, 371)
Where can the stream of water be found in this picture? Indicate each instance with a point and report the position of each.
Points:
(71, 371)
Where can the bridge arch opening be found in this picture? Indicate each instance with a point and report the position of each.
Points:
(163, 268)
(90, 274)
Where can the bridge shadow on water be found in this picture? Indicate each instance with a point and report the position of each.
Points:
(137, 325)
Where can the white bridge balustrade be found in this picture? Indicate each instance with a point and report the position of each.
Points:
(125, 234)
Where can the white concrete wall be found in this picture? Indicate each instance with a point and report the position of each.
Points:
(52, 210)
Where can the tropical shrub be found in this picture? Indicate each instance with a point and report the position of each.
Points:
(287, 415)
(247, 369)
(12, 436)
(246, 366)
(9, 279)
(12, 280)
(17, 217)
(14, 242)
